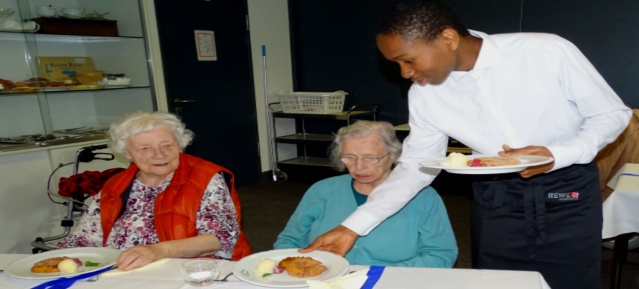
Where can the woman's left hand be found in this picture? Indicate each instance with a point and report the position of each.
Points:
(138, 256)
(530, 172)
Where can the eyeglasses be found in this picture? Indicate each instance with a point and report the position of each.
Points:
(369, 160)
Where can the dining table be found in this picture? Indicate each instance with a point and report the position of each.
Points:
(621, 217)
(167, 276)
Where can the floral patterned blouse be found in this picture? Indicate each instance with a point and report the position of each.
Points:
(216, 217)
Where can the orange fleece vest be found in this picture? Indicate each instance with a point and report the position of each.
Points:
(176, 207)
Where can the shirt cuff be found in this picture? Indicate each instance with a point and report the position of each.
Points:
(361, 222)
(564, 156)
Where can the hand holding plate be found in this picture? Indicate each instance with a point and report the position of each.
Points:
(530, 150)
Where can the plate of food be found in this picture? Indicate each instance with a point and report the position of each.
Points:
(62, 263)
(289, 268)
(25, 89)
(458, 163)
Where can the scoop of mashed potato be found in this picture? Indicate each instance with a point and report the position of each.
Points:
(456, 160)
(67, 266)
(264, 266)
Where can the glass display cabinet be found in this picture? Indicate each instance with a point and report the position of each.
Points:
(50, 55)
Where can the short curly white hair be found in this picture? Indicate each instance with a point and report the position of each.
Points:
(139, 122)
(362, 128)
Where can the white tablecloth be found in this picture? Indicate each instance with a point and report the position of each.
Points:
(167, 276)
(620, 210)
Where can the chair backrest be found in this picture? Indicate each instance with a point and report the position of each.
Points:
(625, 149)
(242, 247)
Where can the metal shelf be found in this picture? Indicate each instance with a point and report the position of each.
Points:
(465, 151)
(305, 138)
(307, 161)
(454, 146)
(344, 115)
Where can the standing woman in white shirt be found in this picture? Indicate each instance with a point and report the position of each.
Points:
(507, 94)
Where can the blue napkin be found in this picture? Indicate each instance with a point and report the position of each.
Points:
(66, 282)
(374, 273)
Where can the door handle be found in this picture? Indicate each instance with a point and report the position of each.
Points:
(177, 100)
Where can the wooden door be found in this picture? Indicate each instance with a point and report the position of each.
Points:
(214, 98)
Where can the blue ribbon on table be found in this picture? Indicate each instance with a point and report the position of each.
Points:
(66, 282)
(374, 273)
(627, 174)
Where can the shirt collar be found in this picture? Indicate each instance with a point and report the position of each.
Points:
(488, 56)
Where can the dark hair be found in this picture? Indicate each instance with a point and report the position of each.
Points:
(419, 19)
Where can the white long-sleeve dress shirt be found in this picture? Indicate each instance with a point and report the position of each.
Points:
(525, 89)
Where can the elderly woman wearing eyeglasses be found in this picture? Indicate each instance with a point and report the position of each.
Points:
(420, 235)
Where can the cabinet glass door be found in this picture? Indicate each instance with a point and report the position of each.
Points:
(54, 61)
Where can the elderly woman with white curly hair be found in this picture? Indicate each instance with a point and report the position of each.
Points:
(166, 203)
(420, 235)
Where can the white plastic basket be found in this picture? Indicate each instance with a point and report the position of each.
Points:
(312, 102)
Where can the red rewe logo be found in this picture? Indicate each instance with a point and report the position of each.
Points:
(574, 195)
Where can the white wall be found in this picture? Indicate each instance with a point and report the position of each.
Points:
(155, 54)
(25, 210)
(270, 27)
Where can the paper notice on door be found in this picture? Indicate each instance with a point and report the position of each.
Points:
(205, 45)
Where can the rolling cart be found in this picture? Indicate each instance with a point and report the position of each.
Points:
(307, 139)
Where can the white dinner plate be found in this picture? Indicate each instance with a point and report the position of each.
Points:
(22, 268)
(245, 268)
(54, 88)
(107, 86)
(525, 161)
(72, 16)
(21, 30)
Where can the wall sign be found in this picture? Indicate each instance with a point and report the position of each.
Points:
(205, 45)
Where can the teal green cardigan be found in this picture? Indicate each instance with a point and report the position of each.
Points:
(420, 235)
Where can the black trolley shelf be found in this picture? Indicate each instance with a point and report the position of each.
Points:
(306, 139)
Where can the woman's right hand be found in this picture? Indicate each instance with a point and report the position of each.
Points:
(139, 256)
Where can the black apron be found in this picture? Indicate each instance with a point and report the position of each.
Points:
(550, 223)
